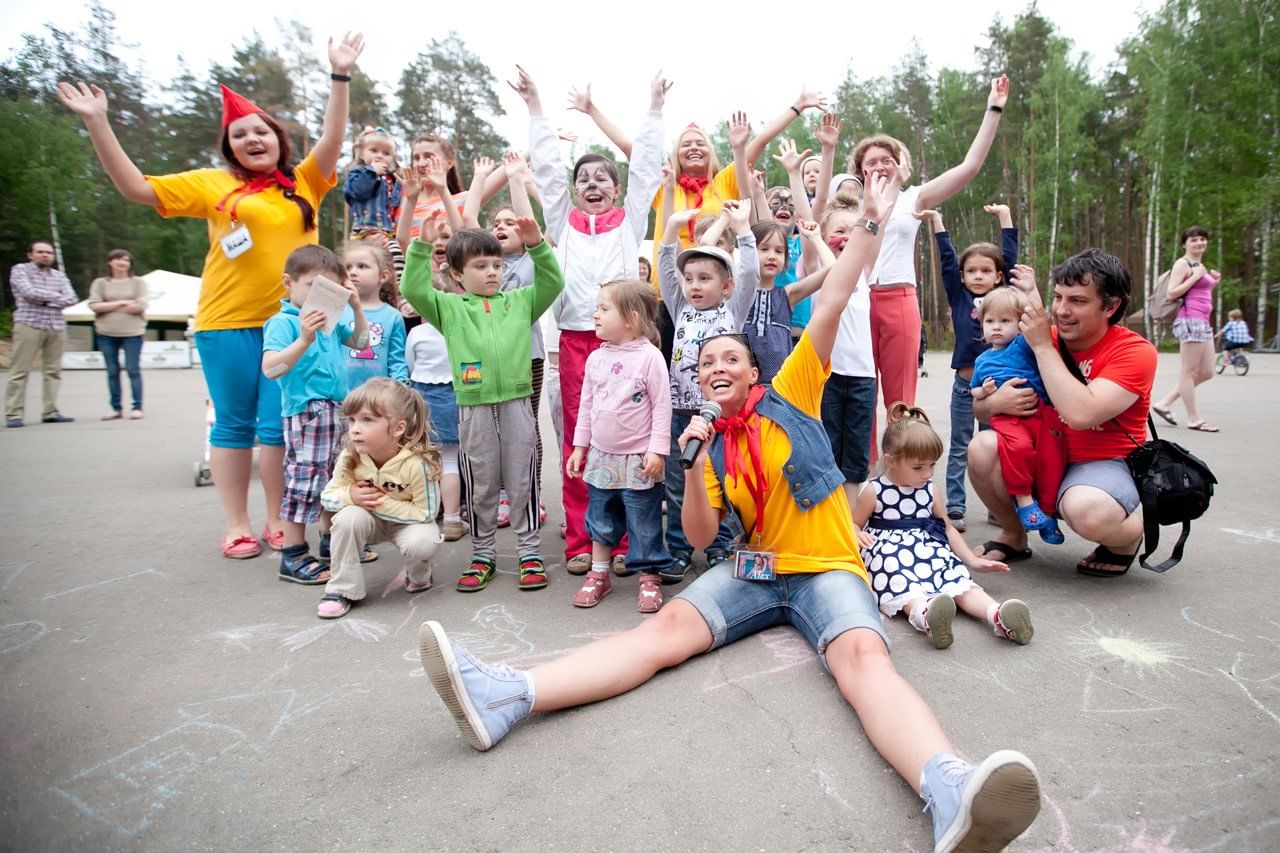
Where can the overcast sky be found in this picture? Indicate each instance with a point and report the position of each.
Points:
(567, 44)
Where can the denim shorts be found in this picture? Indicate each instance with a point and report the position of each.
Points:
(821, 606)
(848, 415)
(1110, 475)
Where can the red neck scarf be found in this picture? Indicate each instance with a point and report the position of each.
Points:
(743, 424)
(690, 184)
(255, 185)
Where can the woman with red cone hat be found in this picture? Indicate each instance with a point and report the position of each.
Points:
(259, 209)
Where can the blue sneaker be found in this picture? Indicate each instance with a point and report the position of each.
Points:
(485, 700)
(983, 807)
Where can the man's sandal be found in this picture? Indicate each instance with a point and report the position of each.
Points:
(1104, 556)
(1007, 553)
(477, 577)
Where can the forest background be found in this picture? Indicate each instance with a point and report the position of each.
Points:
(1182, 128)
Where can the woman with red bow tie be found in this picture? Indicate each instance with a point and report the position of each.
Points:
(798, 565)
(259, 209)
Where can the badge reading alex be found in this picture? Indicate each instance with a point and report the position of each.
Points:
(753, 565)
(236, 241)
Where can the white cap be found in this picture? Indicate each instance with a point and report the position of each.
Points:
(707, 252)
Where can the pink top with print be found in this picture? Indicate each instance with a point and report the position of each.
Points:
(626, 404)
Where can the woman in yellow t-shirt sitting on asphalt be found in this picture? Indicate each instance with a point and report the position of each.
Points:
(768, 468)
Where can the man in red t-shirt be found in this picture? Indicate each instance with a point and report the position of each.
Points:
(1103, 420)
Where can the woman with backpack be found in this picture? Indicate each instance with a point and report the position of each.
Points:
(1192, 283)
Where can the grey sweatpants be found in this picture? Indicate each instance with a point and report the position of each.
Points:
(499, 446)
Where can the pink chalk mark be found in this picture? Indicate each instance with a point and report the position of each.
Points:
(397, 583)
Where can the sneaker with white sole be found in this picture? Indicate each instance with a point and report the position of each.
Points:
(485, 700)
(983, 807)
(1013, 622)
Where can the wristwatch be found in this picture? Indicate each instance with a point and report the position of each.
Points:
(873, 227)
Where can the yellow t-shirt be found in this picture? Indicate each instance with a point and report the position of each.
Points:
(723, 187)
(820, 539)
(244, 292)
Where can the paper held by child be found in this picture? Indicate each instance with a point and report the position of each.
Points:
(329, 297)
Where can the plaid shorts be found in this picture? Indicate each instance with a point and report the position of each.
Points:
(1192, 330)
(312, 440)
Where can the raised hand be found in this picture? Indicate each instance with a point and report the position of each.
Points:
(810, 100)
(739, 213)
(999, 91)
(434, 177)
(808, 229)
(527, 90)
(515, 165)
(483, 167)
(828, 132)
(1023, 277)
(879, 195)
(85, 101)
(668, 175)
(566, 135)
(529, 232)
(343, 55)
(996, 209)
(788, 156)
(658, 88)
(739, 130)
(580, 101)
(411, 186)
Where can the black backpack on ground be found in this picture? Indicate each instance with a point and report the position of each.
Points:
(1174, 485)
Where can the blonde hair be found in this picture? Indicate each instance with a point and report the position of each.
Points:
(842, 204)
(1235, 314)
(362, 139)
(900, 154)
(381, 257)
(1003, 299)
(387, 398)
(713, 163)
(909, 435)
(635, 301)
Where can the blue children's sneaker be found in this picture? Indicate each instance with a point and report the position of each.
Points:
(485, 700)
(1035, 518)
(983, 807)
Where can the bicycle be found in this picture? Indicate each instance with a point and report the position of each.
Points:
(1234, 357)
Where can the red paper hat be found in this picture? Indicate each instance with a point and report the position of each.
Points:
(236, 106)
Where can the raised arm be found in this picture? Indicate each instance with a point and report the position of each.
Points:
(549, 172)
(948, 262)
(859, 254)
(739, 134)
(481, 170)
(644, 172)
(517, 171)
(90, 103)
(342, 59)
(934, 192)
(807, 100)
(1023, 277)
(581, 101)
(828, 135)
(821, 253)
(1008, 234)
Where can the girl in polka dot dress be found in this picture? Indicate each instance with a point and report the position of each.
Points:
(918, 563)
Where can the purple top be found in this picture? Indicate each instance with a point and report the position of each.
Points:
(1198, 302)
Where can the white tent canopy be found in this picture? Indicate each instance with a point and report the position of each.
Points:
(172, 299)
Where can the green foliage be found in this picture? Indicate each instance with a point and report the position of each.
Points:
(448, 89)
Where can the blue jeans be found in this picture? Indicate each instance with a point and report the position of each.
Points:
(638, 514)
(961, 435)
(132, 347)
(848, 415)
(820, 606)
(677, 544)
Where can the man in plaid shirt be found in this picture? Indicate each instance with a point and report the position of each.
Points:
(41, 292)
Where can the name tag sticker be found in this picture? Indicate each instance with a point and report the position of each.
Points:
(236, 241)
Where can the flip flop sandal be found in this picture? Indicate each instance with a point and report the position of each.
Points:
(1203, 427)
(307, 571)
(1165, 415)
(415, 588)
(1008, 553)
(368, 556)
(1102, 555)
(477, 577)
(333, 606)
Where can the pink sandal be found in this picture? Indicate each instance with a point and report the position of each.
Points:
(241, 548)
(595, 586)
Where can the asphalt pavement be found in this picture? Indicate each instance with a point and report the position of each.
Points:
(158, 696)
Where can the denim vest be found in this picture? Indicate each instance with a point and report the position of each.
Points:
(811, 469)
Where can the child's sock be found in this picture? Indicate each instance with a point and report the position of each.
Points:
(600, 566)
(457, 516)
(919, 617)
(991, 613)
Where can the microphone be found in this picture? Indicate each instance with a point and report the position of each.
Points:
(709, 412)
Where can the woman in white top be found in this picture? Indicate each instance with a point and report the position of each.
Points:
(895, 311)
